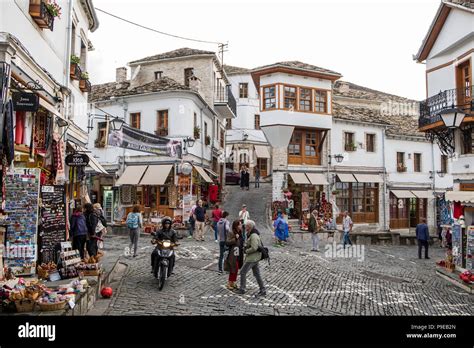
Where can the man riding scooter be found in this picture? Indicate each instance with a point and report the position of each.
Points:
(165, 233)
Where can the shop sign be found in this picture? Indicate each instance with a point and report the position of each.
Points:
(466, 187)
(25, 101)
(77, 160)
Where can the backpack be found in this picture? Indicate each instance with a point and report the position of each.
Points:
(132, 220)
(264, 250)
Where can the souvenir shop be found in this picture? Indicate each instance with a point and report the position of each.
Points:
(304, 193)
(457, 228)
(161, 190)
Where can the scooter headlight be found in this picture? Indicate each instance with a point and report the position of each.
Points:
(166, 244)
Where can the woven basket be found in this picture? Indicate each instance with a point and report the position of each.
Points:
(92, 272)
(45, 307)
(23, 306)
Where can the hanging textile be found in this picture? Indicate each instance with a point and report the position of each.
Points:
(8, 136)
(20, 126)
(444, 215)
(458, 210)
(48, 132)
(39, 132)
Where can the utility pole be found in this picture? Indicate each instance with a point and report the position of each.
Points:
(223, 47)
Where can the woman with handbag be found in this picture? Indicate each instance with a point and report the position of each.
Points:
(232, 263)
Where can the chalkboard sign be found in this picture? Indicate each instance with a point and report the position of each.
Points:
(53, 221)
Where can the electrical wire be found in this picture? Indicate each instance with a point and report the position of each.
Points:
(157, 31)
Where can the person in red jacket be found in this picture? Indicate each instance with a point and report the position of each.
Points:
(216, 216)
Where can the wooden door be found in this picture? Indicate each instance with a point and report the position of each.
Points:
(262, 165)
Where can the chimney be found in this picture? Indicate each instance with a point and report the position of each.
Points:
(121, 75)
(195, 83)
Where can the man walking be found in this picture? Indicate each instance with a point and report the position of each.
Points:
(347, 228)
(252, 258)
(222, 228)
(422, 236)
(243, 217)
(216, 216)
(200, 218)
(257, 177)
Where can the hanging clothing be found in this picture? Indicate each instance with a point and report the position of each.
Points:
(8, 136)
(458, 210)
(19, 126)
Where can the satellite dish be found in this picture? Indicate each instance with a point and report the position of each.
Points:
(135, 73)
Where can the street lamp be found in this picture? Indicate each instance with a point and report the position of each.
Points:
(452, 118)
(339, 158)
(440, 173)
(117, 123)
(188, 142)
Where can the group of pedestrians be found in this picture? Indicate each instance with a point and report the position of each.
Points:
(87, 228)
(245, 178)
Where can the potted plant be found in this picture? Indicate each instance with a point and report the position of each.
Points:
(75, 70)
(197, 132)
(43, 13)
(401, 168)
(335, 192)
(208, 140)
(351, 147)
(84, 83)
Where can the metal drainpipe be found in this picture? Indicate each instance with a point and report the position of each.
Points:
(66, 75)
(384, 198)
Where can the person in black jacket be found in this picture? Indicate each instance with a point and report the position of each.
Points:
(91, 221)
(78, 228)
(165, 233)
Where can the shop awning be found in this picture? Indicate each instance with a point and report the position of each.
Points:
(346, 178)
(423, 194)
(300, 178)
(131, 175)
(460, 196)
(403, 194)
(213, 173)
(203, 174)
(262, 151)
(317, 178)
(156, 174)
(369, 178)
(95, 165)
(50, 108)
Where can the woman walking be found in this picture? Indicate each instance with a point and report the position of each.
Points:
(78, 228)
(134, 223)
(314, 227)
(232, 263)
(101, 228)
(91, 222)
(242, 177)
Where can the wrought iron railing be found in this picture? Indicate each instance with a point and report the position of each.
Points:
(430, 108)
(224, 95)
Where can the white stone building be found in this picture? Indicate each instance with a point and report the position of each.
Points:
(448, 51)
(246, 143)
(178, 95)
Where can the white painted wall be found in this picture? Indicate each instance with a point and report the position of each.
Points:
(394, 145)
(49, 48)
(181, 108)
(247, 108)
(360, 157)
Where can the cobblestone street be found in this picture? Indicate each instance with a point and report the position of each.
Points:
(390, 280)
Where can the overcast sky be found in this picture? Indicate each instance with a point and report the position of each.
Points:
(370, 43)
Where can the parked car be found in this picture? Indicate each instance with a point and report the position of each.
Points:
(232, 177)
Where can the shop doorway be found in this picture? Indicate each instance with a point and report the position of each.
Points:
(417, 211)
(107, 203)
(262, 164)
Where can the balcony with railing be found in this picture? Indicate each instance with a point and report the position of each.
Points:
(460, 98)
(224, 102)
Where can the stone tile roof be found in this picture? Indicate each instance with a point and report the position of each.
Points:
(235, 70)
(180, 52)
(351, 90)
(106, 90)
(294, 64)
(463, 3)
(357, 103)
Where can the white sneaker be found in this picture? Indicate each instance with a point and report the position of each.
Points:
(216, 241)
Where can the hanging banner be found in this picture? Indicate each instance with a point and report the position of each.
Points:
(134, 139)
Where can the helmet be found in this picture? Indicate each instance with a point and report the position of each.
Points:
(165, 220)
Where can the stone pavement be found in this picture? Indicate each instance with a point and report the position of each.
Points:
(387, 280)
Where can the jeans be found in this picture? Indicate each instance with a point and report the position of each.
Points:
(192, 226)
(78, 243)
(134, 233)
(91, 246)
(346, 239)
(257, 182)
(214, 227)
(315, 238)
(221, 255)
(256, 273)
(422, 243)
